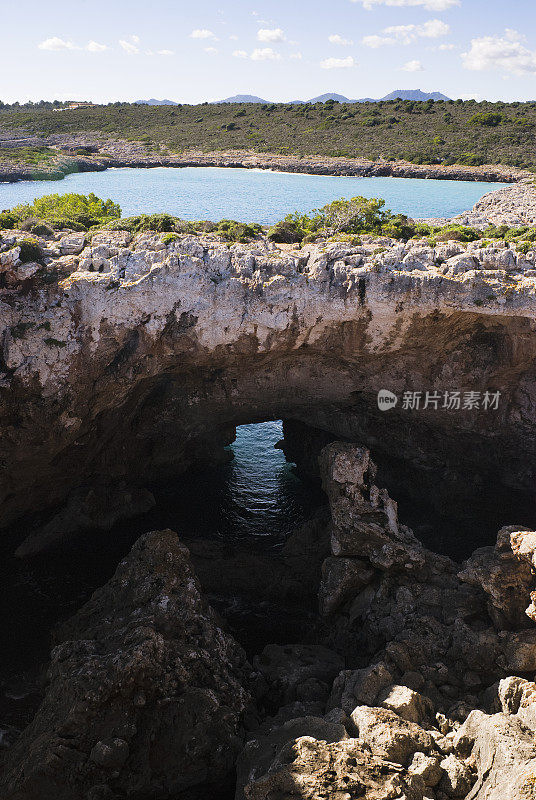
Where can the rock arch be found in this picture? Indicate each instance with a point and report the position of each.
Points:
(147, 365)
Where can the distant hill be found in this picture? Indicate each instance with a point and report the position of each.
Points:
(339, 98)
(414, 94)
(153, 102)
(403, 94)
(243, 98)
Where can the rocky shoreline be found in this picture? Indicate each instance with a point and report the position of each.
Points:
(95, 152)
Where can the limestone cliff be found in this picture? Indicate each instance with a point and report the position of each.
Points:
(123, 357)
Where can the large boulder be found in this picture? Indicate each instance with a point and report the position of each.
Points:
(506, 574)
(146, 694)
(308, 769)
(504, 754)
(259, 753)
(389, 735)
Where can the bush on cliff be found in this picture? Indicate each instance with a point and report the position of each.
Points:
(74, 211)
(30, 250)
(356, 216)
(233, 231)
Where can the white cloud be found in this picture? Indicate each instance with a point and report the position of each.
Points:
(338, 63)
(129, 47)
(240, 54)
(165, 52)
(336, 38)
(96, 47)
(202, 33)
(270, 35)
(233, 37)
(135, 39)
(211, 50)
(376, 41)
(507, 53)
(265, 54)
(56, 44)
(412, 66)
(407, 34)
(447, 47)
(296, 56)
(429, 5)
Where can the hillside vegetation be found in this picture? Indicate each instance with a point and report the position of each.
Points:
(440, 132)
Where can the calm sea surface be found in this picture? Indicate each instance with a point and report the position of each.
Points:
(249, 195)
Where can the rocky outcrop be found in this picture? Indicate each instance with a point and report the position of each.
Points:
(146, 696)
(419, 716)
(127, 358)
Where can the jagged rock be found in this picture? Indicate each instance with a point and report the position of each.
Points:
(146, 694)
(352, 688)
(257, 756)
(456, 780)
(342, 578)
(307, 769)
(518, 651)
(73, 244)
(518, 697)
(427, 767)
(504, 754)
(506, 576)
(389, 735)
(408, 704)
(364, 518)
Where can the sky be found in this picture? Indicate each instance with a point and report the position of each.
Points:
(280, 50)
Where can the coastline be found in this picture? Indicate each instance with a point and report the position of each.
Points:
(132, 154)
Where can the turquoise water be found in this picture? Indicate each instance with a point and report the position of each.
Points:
(255, 497)
(249, 195)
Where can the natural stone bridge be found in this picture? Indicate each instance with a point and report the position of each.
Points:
(125, 359)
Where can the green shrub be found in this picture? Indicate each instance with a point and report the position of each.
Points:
(74, 211)
(169, 238)
(358, 215)
(8, 220)
(457, 233)
(141, 223)
(488, 119)
(286, 231)
(233, 231)
(30, 250)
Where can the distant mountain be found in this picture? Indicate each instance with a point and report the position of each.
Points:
(403, 94)
(322, 98)
(414, 94)
(243, 98)
(153, 102)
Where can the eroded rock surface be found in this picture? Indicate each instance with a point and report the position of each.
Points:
(126, 358)
(146, 695)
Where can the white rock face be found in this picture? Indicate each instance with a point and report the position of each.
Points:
(106, 316)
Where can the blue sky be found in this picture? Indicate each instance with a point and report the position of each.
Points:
(207, 50)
